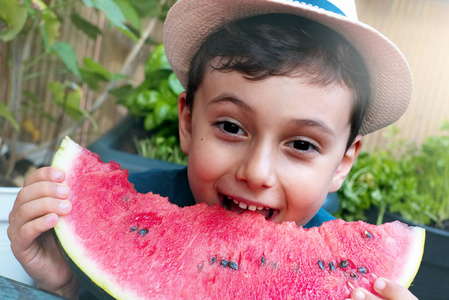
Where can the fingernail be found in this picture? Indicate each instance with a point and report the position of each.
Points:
(64, 206)
(359, 295)
(58, 175)
(379, 284)
(63, 190)
(50, 219)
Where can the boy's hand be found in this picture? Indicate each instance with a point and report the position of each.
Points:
(387, 289)
(35, 212)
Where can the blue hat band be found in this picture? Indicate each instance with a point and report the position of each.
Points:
(324, 4)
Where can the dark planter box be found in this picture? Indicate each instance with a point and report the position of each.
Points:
(110, 145)
(432, 280)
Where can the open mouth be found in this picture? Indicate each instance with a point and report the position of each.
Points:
(240, 207)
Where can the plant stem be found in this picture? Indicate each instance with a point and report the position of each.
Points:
(34, 61)
(381, 213)
(14, 103)
(19, 55)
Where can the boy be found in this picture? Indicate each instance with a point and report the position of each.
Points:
(272, 119)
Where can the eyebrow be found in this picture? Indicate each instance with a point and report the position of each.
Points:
(313, 124)
(229, 98)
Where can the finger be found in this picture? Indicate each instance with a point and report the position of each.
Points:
(45, 174)
(36, 200)
(391, 290)
(37, 208)
(34, 209)
(28, 233)
(362, 294)
(40, 190)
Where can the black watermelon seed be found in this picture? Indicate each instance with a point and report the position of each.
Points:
(368, 234)
(320, 263)
(343, 264)
(262, 260)
(224, 263)
(363, 270)
(213, 259)
(296, 268)
(233, 265)
(353, 275)
(200, 266)
(143, 231)
(332, 266)
(134, 228)
(276, 266)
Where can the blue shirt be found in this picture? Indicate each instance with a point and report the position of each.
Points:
(173, 183)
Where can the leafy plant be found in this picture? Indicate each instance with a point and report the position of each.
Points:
(30, 23)
(162, 148)
(155, 100)
(432, 171)
(405, 179)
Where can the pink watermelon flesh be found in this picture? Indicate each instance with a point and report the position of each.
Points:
(141, 246)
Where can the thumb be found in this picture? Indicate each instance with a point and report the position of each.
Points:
(391, 290)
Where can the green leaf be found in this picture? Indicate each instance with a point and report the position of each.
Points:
(68, 96)
(68, 56)
(93, 73)
(123, 92)
(88, 28)
(27, 5)
(161, 112)
(146, 8)
(91, 79)
(5, 113)
(146, 100)
(50, 26)
(12, 18)
(55, 87)
(157, 60)
(72, 107)
(92, 66)
(129, 12)
(112, 12)
(149, 123)
(174, 84)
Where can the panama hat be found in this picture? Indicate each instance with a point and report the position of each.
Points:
(190, 22)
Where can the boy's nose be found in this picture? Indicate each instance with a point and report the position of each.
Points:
(256, 168)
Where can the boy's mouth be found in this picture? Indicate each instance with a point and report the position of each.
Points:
(240, 207)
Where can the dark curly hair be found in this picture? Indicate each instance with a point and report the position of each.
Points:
(284, 45)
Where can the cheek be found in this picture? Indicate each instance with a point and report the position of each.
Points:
(206, 165)
(306, 194)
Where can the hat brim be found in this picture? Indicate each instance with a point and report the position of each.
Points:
(189, 23)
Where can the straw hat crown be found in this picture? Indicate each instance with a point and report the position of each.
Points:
(190, 22)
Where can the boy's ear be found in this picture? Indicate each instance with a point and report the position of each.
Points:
(346, 164)
(185, 123)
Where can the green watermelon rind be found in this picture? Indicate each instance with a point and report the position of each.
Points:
(64, 158)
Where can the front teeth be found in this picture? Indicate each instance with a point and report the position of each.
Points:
(249, 207)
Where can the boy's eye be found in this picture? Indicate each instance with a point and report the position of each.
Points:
(303, 146)
(230, 127)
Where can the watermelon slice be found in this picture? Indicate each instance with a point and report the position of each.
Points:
(140, 246)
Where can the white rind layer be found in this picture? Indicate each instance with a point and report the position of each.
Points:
(416, 251)
(64, 159)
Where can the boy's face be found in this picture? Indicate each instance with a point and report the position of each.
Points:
(275, 145)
